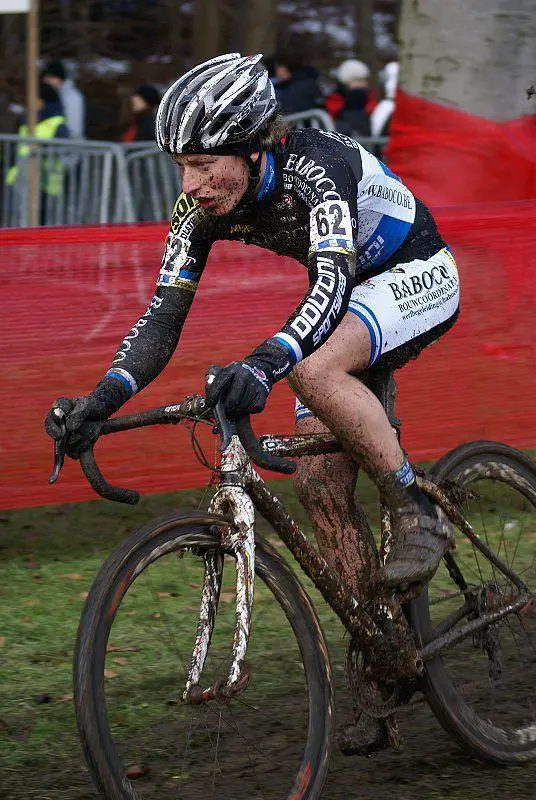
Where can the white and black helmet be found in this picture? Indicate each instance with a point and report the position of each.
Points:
(217, 107)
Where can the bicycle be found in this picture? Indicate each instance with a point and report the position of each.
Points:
(476, 613)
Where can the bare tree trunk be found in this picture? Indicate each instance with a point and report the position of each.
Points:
(206, 30)
(365, 45)
(478, 56)
(260, 27)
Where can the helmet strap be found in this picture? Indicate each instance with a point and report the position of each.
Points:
(253, 182)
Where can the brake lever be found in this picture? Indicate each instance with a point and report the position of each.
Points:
(60, 446)
(224, 425)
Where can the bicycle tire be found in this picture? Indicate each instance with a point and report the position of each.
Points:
(475, 734)
(102, 603)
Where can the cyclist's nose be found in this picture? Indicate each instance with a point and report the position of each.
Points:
(191, 181)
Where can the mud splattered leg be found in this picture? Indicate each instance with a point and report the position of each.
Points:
(325, 486)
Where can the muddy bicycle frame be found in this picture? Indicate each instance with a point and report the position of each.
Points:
(385, 639)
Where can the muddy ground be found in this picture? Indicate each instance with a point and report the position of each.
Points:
(429, 767)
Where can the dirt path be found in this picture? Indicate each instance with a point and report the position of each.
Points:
(429, 767)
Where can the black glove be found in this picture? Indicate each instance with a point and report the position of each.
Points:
(82, 415)
(241, 386)
(82, 418)
(244, 386)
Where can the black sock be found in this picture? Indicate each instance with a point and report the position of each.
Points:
(405, 478)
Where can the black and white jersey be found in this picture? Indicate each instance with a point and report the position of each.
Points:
(325, 201)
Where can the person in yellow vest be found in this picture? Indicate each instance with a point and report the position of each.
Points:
(50, 125)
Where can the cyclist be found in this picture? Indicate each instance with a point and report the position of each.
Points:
(383, 285)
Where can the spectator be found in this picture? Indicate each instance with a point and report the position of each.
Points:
(72, 100)
(381, 116)
(50, 125)
(348, 104)
(296, 86)
(144, 103)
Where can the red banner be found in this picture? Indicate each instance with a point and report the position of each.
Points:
(70, 295)
(447, 156)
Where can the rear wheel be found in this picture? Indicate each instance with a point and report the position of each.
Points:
(133, 650)
(483, 689)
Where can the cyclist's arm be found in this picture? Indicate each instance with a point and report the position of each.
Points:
(333, 222)
(150, 343)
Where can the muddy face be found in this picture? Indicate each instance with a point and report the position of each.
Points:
(218, 183)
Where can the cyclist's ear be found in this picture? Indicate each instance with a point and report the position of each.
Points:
(255, 157)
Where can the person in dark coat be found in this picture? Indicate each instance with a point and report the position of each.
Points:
(143, 102)
(296, 86)
(348, 104)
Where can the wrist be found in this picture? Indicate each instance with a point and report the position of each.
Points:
(112, 393)
(272, 358)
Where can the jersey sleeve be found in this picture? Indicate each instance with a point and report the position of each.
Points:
(150, 343)
(327, 184)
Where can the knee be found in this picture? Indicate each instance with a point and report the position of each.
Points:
(310, 378)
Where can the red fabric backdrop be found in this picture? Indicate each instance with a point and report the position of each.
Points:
(447, 156)
(71, 294)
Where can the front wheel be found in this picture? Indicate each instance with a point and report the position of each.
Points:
(482, 690)
(132, 655)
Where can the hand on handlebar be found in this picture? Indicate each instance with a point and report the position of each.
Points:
(80, 418)
(241, 387)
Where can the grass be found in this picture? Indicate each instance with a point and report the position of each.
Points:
(48, 560)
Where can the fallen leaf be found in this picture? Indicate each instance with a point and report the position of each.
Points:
(121, 661)
(131, 613)
(194, 585)
(108, 673)
(137, 771)
(25, 620)
(37, 576)
(3, 641)
(156, 615)
(163, 594)
(65, 699)
(84, 595)
(72, 576)
(115, 648)
(31, 603)
(227, 597)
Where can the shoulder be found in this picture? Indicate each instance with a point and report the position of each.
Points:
(321, 165)
(185, 214)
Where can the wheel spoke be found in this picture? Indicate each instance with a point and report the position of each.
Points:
(222, 750)
(490, 674)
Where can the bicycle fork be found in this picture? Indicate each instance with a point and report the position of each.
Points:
(232, 500)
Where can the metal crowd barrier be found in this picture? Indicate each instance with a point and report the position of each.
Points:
(76, 181)
(154, 180)
(318, 118)
(313, 118)
(83, 181)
